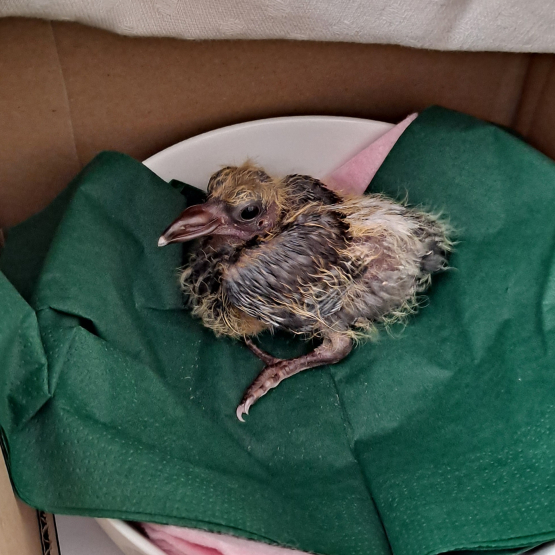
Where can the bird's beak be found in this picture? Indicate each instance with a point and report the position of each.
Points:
(196, 221)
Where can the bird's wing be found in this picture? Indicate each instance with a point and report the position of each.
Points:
(296, 280)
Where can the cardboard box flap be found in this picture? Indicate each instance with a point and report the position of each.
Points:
(23, 530)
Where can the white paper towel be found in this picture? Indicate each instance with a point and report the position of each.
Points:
(506, 25)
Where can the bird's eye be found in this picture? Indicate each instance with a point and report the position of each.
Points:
(250, 212)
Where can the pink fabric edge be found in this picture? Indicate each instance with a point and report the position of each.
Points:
(352, 178)
(176, 540)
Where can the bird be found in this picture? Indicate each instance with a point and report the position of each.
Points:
(288, 253)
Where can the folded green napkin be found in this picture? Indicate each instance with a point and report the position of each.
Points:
(115, 402)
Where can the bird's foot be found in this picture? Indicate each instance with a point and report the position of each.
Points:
(334, 348)
(269, 378)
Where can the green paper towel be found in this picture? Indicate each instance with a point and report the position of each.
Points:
(114, 402)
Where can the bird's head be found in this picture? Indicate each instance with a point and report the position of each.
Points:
(242, 202)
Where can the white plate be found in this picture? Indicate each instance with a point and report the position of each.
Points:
(314, 145)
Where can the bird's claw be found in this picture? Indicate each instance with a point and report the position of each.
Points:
(243, 408)
(266, 380)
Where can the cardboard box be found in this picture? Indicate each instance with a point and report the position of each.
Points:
(69, 91)
(23, 531)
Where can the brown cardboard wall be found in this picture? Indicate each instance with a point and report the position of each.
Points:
(139, 95)
(536, 119)
(19, 531)
(37, 152)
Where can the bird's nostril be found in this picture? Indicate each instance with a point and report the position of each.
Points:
(261, 223)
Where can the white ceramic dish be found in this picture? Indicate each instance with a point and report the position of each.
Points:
(314, 145)
(127, 538)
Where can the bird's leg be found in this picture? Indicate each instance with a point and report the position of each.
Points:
(335, 347)
(266, 358)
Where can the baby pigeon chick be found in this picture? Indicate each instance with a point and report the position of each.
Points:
(291, 254)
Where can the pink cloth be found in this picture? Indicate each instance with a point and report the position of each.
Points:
(352, 177)
(175, 540)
